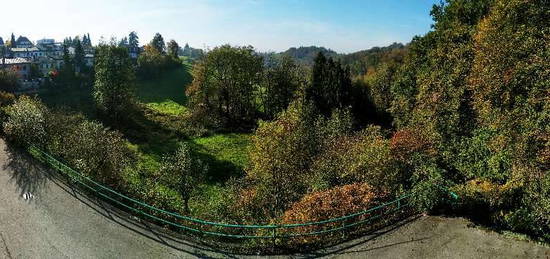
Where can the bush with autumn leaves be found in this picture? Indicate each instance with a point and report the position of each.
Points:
(336, 202)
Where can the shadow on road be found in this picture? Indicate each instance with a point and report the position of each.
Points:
(27, 174)
(347, 247)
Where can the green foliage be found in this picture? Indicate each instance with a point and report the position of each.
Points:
(6, 99)
(93, 150)
(158, 44)
(133, 40)
(282, 79)
(330, 85)
(365, 61)
(151, 63)
(535, 215)
(280, 156)
(192, 53)
(26, 121)
(478, 87)
(173, 49)
(79, 55)
(478, 159)
(224, 85)
(362, 157)
(8, 80)
(307, 55)
(114, 82)
(428, 187)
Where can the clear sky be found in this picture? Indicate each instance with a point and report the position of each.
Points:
(276, 25)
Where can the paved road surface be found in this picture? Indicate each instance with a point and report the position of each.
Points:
(42, 217)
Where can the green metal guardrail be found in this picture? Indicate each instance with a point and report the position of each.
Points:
(139, 208)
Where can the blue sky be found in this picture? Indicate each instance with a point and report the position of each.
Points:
(268, 25)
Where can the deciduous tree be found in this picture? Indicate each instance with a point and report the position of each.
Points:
(114, 81)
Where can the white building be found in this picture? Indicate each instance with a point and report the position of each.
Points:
(47, 55)
(32, 52)
(50, 49)
(45, 42)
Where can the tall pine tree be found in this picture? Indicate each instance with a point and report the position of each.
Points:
(158, 43)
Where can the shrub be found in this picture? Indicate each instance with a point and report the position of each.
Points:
(332, 203)
(96, 151)
(8, 80)
(6, 99)
(280, 155)
(406, 143)
(487, 200)
(251, 206)
(363, 157)
(480, 157)
(428, 187)
(532, 216)
(200, 123)
(26, 119)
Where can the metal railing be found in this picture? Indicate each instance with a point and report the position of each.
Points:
(231, 230)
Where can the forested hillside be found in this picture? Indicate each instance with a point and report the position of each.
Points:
(306, 55)
(359, 62)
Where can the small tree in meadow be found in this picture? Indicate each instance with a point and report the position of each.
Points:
(183, 172)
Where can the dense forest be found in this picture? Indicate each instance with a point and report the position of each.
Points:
(465, 108)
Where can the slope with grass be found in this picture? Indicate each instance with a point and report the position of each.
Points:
(224, 154)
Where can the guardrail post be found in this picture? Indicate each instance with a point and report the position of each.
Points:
(343, 228)
(273, 235)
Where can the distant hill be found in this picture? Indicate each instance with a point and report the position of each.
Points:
(306, 55)
(358, 62)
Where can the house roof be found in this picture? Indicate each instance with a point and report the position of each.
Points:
(22, 39)
(14, 61)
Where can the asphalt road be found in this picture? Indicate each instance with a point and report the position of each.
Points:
(42, 217)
